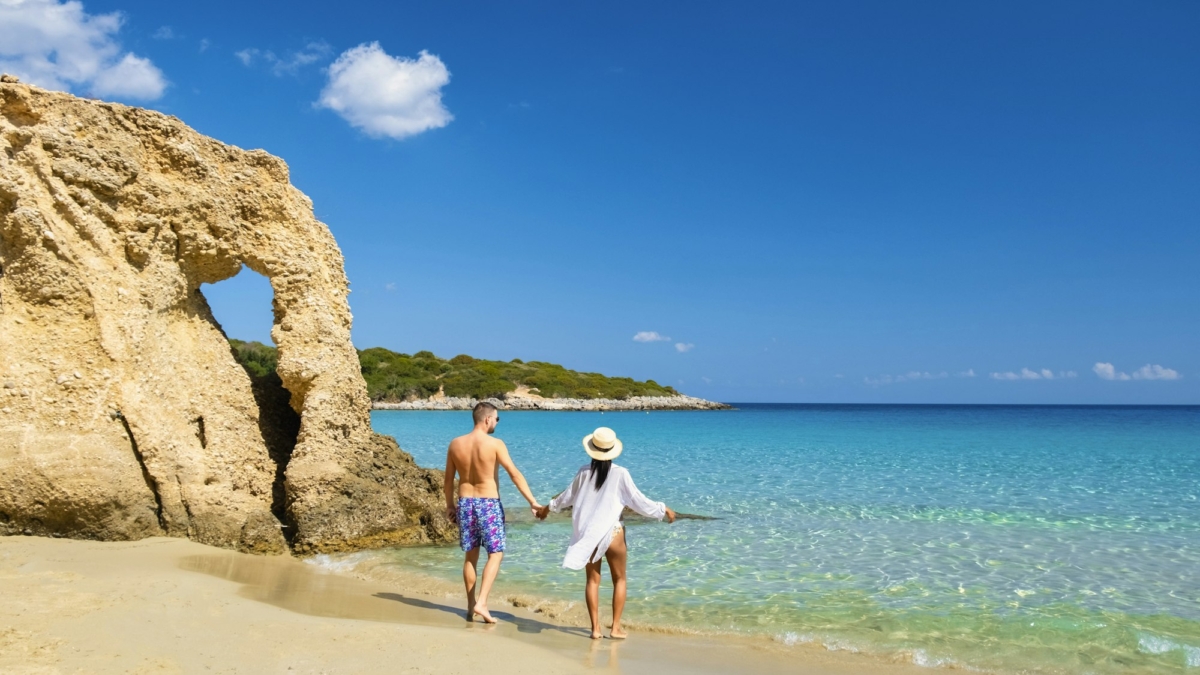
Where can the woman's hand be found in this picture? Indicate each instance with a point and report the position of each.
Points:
(540, 512)
(670, 514)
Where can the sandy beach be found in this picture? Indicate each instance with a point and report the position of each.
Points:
(173, 606)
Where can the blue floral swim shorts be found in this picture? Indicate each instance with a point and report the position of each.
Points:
(481, 523)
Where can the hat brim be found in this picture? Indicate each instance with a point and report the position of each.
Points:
(602, 455)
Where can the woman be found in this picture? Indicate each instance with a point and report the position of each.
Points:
(599, 493)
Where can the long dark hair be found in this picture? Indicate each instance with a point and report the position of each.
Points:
(600, 469)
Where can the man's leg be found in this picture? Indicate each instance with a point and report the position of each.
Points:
(491, 523)
(490, 570)
(616, 566)
(469, 563)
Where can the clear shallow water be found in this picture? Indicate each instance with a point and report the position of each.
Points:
(1049, 539)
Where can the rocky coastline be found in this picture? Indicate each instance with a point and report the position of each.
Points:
(633, 403)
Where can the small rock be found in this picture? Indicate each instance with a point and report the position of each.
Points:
(62, 378)
(9, 79)
(77, 375)
(9, 384)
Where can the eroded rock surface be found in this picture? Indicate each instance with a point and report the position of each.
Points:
(122, 411)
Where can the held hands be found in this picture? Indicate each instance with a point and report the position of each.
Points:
(542, 511)
(670, 515)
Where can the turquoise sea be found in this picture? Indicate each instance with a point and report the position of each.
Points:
(1008, 539)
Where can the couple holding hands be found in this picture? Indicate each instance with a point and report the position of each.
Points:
(598, 494)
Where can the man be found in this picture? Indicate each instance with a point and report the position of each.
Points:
(477, 458)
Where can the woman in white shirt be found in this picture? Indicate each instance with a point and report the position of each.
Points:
(599, 494)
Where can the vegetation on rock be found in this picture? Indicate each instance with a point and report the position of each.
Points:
(392, 376)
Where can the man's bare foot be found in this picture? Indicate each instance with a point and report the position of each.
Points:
(482, 611)
(618, 634)
(596, 635)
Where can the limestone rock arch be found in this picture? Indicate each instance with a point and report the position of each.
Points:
(123, 413)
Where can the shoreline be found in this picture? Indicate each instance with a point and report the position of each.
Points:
(173, 605)
(633, 403)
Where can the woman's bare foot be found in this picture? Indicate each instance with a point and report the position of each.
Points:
(618, 633)
(596, 635)
(471, 611)
(482, 611)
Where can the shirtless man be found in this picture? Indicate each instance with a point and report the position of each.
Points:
(477, 458)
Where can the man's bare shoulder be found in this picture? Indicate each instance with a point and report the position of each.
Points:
(476, 441)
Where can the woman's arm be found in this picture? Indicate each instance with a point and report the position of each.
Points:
(632, 497)
(567, 498)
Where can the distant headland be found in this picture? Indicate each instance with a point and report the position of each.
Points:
(423, 381)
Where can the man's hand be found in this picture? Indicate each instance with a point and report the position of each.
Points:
(452, 514)
(541, 512)
(670, 515)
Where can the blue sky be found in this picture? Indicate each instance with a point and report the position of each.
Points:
(860, 202)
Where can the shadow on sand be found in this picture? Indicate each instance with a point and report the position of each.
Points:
(523, 624)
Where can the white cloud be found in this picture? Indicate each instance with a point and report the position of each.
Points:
(1106, 371)
(386, 95)
(683, 347)
(390, 286)
(287, 65)
(57, 45)
(1155, 372)
(133, 76)
(650, 336)
(204, 44)
(1027, 374)
(246, 56)
(970, 372)
(910, 376)
(163, 33)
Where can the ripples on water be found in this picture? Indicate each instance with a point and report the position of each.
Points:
(1051, 539)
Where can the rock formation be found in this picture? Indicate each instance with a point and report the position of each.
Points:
(122, 411)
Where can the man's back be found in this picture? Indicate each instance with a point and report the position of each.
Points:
(474, 458)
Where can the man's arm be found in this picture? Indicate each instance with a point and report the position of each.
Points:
(517, 479)
(448, 487)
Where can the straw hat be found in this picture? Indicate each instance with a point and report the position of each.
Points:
(602, 444)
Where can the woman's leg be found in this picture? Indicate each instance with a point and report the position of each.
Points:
(592, 595)
(617, 554)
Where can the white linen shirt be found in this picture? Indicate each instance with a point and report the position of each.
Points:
(598, 511)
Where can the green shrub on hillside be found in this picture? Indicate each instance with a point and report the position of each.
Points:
(392, 376)
(258, 359)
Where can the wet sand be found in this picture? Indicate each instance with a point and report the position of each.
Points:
(173, 606)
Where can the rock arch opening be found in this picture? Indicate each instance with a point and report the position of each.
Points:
(242, 307)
